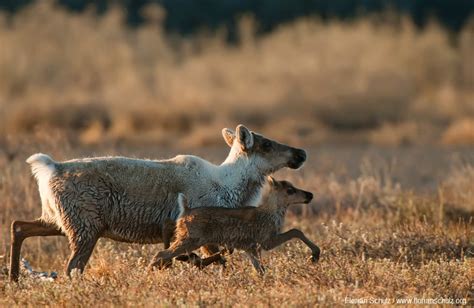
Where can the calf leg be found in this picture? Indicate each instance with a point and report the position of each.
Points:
(168, 232)
(279, 239)
(199, 262)
(213, 251)
(195, 260)
(164, 258)
(213, 256)
(20, 230)
(254, 256)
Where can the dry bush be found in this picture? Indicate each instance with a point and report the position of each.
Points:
(415, 243)
(405, 133)
(458, 188)
(460, 132)
(373, 190)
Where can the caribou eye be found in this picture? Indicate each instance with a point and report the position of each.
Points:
(290, 191)
(267, 145)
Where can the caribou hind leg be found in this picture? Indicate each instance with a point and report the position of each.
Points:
(21, 230)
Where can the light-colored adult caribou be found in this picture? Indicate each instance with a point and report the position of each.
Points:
(130, 200)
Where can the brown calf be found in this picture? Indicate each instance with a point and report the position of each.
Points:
(249, 228)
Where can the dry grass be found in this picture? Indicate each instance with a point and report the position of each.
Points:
(97, 78)
(392, 222)
(379, 239)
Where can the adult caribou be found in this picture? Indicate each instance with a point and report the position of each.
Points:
(130, 200)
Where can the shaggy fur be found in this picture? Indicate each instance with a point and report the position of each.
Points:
(130, 200)
(246, 228)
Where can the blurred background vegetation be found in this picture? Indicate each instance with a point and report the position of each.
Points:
(380, 93)
(188, 16)
(175, 72)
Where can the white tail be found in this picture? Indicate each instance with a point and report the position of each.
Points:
(42, 166)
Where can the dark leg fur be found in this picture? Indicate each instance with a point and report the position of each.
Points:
(164, 258)
(168, 232)
(199, 262)
(213, 251)
(81, 252)
(279, 239)
(20, 230)
(254, 256)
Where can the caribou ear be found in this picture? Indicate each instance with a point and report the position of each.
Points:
(245, 137)
(229, 136)
(272, 181)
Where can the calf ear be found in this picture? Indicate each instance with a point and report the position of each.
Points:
(229, 136)
(245, 137)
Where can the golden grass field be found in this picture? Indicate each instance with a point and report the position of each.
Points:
(385, 110)
(392, 224)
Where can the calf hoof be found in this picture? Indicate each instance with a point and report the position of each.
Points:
(195, 260)
(261, 271)
(227, 251)
(314, 258)
(160, 264)
(188, 258)
(221, 261)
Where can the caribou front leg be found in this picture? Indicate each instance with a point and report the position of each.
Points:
(281, 238)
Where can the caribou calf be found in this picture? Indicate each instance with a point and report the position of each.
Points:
(247, 228)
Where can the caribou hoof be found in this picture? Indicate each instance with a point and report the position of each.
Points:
(160, 264)
(314, 258)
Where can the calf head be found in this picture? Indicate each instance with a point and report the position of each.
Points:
(283, 193)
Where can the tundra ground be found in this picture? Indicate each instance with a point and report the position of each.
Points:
(392, 224)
